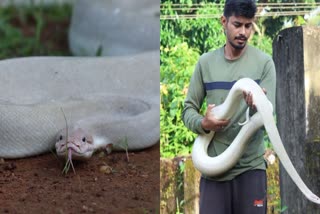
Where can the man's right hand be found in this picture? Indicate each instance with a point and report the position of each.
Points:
(210, 123)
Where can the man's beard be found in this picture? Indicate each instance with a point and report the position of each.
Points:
(239, 47)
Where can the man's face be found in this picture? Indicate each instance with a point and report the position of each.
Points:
(238, 30)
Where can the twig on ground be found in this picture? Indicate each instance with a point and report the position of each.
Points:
(68, 152)
(125, 147)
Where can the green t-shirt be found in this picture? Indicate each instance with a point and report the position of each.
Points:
(213, 77)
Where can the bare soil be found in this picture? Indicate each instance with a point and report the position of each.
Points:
(105, 184)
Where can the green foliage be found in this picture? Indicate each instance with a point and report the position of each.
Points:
(21, 30)
(175, 73)
(202, 34)
(191, 1)
(180, 188)
(182, 42)
(264, 43)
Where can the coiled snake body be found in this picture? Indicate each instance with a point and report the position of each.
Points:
(105, 100)
(213, 166)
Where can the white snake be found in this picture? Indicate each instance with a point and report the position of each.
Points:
(213, 166)
(105, 100)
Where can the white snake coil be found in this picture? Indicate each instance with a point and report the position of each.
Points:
(213, 166)
(112, 98)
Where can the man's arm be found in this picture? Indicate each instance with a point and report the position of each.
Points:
(191, 117)
(192, 104)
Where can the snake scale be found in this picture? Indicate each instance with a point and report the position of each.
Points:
(213, 166)
(112, 98)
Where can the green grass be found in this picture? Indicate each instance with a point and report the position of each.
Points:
(34, 31)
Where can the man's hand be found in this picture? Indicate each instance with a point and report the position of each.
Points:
(248, 98)
(210, 123)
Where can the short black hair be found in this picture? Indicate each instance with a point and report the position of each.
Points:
(245, 8)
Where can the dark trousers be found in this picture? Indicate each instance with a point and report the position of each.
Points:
(245, 194)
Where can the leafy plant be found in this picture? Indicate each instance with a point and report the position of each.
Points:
(124, 145)
(182, 42)
(201, 34)
(175, 72)
(21, 30)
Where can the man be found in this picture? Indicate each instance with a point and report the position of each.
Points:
(241, 190)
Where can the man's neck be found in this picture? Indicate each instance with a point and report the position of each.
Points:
(231, 53)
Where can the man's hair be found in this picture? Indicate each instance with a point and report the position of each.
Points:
(245, 8)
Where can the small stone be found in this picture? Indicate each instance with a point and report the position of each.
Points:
(101, 155)
(132, 166)
(106, 169)
(109, 148)
(85, 208)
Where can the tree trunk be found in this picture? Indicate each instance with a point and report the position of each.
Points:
(297, 60)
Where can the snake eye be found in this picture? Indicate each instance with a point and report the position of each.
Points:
(84, 139)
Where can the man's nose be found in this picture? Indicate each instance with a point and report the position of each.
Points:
(242, 30)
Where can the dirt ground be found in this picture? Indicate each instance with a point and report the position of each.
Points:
(105, 184)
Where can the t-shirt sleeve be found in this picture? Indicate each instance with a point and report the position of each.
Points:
(192, 104)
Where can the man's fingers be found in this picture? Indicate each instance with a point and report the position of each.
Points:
(254, 107)
(211, 106)
(222, 122)
(249, 99)
(244, 94)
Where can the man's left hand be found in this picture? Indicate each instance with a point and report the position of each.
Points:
(248, 98)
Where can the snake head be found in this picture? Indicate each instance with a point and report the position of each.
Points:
(74, 144)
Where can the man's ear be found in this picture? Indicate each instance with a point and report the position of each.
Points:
(223, 20)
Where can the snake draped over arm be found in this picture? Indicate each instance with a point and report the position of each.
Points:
(213, 166)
